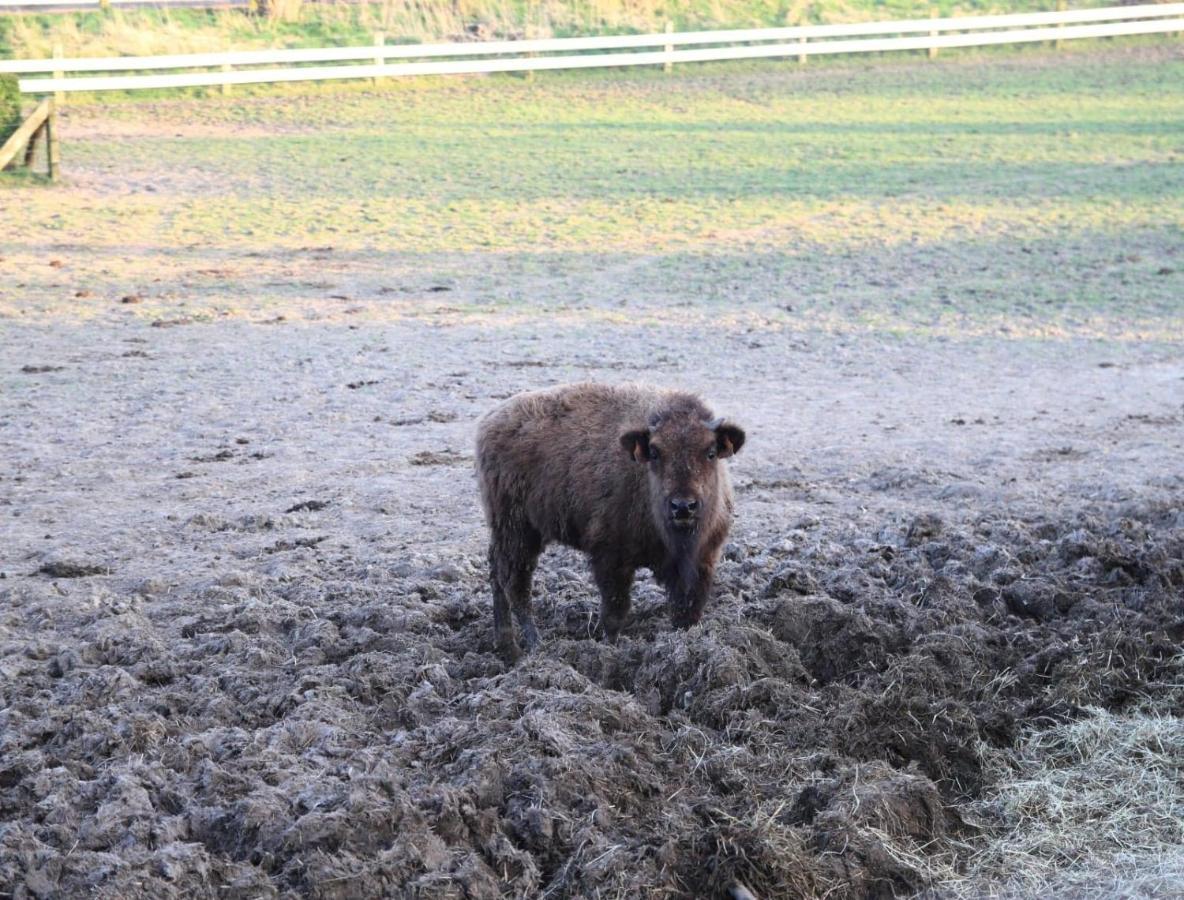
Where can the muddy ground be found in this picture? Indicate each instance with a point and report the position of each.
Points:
(245, 636)
(246, 633)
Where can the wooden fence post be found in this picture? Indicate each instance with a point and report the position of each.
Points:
(802, 56)
(1060, 8)
(58, 96)
(52, 150)
(31, 148)
(933, 13)
(379, 59)
(668, 67)
(27, 133)
(226, 67)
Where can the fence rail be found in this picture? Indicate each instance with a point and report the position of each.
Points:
(520, 56)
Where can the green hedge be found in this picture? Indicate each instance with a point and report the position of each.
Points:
(10, 106)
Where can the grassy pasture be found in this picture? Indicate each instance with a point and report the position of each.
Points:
(1038, 191)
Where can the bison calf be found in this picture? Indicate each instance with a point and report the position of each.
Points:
(629, 474)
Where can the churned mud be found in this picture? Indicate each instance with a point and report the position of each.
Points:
(247, 650)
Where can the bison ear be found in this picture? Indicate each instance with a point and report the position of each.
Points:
(729, 439)
(637, 444)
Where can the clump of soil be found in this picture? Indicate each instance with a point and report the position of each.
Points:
(353, 733)
(445, 457)
(64, 568)
(308, 506)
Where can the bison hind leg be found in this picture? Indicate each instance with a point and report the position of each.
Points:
(513, 554)
(503, 628)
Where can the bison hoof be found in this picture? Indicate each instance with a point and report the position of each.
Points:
(530, 637)
(685, 620)
(609, 630)
(508, 650)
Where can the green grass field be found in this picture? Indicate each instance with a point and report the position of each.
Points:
(1035, 186)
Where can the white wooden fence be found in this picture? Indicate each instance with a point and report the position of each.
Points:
(241, 67)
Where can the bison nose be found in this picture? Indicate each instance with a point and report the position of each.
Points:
(683, 509)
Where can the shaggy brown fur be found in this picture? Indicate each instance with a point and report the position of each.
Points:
(629, 474)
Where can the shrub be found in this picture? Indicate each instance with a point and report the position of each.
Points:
(10, 106)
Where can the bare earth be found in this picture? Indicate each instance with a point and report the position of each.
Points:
(245, 636)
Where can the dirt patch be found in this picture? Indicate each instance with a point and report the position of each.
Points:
(267, 695)
(308, 506)
(69, 569)
(440, 458)
(339, 736)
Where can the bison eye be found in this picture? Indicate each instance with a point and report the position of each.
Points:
(711, 454)
(652, 453)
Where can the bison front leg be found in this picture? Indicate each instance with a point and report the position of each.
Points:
(690, 583)
(686, 606)
(615, 581)
(688, 595)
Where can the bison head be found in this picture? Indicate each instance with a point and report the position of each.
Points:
(682, 447)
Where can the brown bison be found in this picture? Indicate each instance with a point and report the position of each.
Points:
(630, 474)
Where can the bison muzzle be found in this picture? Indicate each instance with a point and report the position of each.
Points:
(631, 475)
